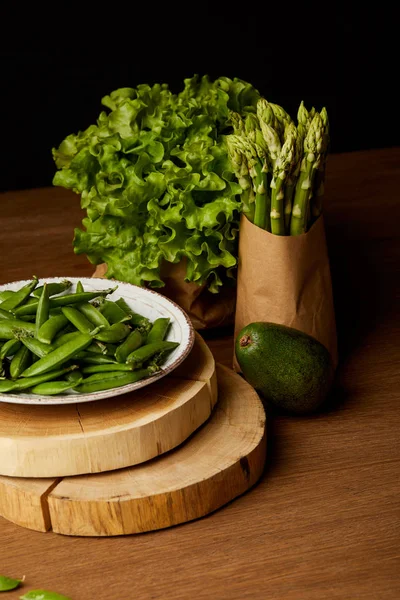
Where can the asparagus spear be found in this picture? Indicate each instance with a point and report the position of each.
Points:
(237, 123)
(281, 170)
(292, 177)
(241, 169)
(282, 118)
(262, 200)
(258, 176)
(318, 193)
(268, 124)
(313, 146)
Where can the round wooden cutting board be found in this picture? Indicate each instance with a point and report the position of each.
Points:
(221, 461)
(75, 439)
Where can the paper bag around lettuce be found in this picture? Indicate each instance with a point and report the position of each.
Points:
(286, 280)
(205, 310)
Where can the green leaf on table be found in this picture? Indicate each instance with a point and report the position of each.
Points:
(6, 583)
(43, 595)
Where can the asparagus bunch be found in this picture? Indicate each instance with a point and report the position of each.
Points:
(280, 166)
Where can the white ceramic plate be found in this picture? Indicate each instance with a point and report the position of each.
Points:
(148, 303)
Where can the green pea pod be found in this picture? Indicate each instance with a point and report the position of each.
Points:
(74, 376)
(158, 331)
(94, 359)
(115, 333)
(28, 318)
(93, 314)
(19, 296)
(78, 319)
(20, 361)
(53, 288)
(10, 348)
(59, 356)
(102, 348)
(112, 312)
(5, 314)
(134, 318)
(113, 379)
(50, 328)
(36, 347)
(6, 294)
(7, 584)
(131, 343)
(7, 328)
(107, 368)
(6, 385)
(29, 382)
(52, 388)
(65, 300)
(145, 353)
(63, 338)
(42, 313)
(79, 287)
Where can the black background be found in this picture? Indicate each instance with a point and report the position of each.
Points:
(54, 73)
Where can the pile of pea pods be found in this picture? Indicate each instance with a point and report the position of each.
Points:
(56, 342)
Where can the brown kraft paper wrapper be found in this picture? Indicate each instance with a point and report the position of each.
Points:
(286, 280)
(205, 310)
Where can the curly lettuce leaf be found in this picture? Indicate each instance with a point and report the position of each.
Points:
(156, 183)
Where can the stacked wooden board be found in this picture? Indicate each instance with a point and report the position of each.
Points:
(165, 454)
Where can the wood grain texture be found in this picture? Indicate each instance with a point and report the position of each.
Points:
(323, 521)
(93, 437)
(220, 462)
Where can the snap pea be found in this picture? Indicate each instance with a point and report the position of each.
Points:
(111, 380)
(112, 312)
(158, 331)
(59, 356)
(5, 314)
(78, 319)
(64, 338)
(134, 318)
(36, 347)
(53, 288)
(19, 296)
(28, 318)
(131, 343)
(63, 301)
(52, 388)
(145, 353)
(28, 382)
(42, 313)
(50, 328)
(94, 359)
(74, 376)
(8, 327)
(114, 333)
(101, 348)
(93, 314)
(79, 287)
(6, 294)
(107, 368)
(6, 385)
(20, 361)
(10, 348)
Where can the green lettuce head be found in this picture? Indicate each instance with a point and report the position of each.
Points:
(156, 182)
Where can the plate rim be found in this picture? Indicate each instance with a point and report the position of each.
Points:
(8, 398)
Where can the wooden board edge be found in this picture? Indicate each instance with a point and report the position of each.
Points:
(24, 507)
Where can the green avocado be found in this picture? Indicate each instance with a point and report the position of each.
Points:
(289, 368)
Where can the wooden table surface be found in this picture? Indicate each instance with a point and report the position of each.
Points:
(324, 520)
